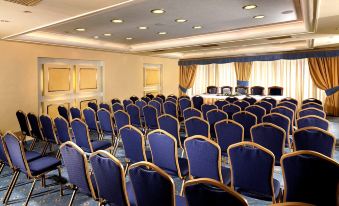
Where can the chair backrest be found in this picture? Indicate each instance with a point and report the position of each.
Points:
(75, 113)
(288, 105)
(257, 90)
(171, 99)
(91, 119)
(242, 104)
(268, 106)
(197, 126)
(205, 191)
(279, 120)
(290, 99)
(230, 109)
(121, 119)
(271, 137)
(172, 96)
(314, 100)
(150, 96)
(140, 104)
(241, 90)
(134, 114)
(63, 111)
(220, 103)
(170, 108)
(250, 100)
(15, 152)
(127, 102)
(23, 122)
(35, 126)
(105, 106)
(164, 151)
(252, 168)
(206, 108)
(205, 164)
(156, 105)
(232, 99)
(151, 116)
(315, 139)
(212, 90)
(93, 106)
(117, 106)
(247, 120)
(213, 116)
(152, 185)
(81, 134)
(63, 133)
(197, 102)
(226, 90)
(191, 112)
(313, 121)
(134, 143)
(77, 167)
(275, 90)
(105, 120)
(47, 128)
(184, 104)
(312, 105)
(109, 173)
(115, 100)
(310, 177)
(146, 99)
(3, 156)
(228, 132)
(311, 111)
(171, 125)
(270, 100)
(158, 99)
(257, 110)
(161, 96)
(134, 99)
(288, 113)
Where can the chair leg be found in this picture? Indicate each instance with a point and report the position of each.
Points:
(2, 165)
(45, 149)
(32, 145)
(73, 197)
(43, 181)
(182, 187)
(30, 193)
(126, 168)
(11, 187)
(61, 189)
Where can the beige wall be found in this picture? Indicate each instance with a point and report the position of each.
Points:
(123, 75)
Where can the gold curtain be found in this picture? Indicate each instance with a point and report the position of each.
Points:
(187, 77)
(243, 71)
(325, 75)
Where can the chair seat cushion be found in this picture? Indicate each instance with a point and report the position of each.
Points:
(98, 145)
(31, 155)
(180, 201)
(226, 175)
(43, 164)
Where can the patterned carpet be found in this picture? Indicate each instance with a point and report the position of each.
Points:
(50, 195)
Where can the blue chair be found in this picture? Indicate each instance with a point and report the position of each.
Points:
(184, 97)
(184, 103)
(146, 99)
(156, 105)
(241, 90)
(205, 164)
(135, 115)
(63, 111)
(212, 90)
(226, 90)
(288, 105)
(312, 105)
(232, 99)
(268, 106)
(152, 186)
(252, 169)
(312, 100)
(161, 96)
(109, 173)
(250, 100)
(242, 104)
(172, 96)
(134, 99)
(191, 112)
(275, 90)
(77, 166)
(171, 109)
(91, 120)
(35, 169)
(310, 177)
(141, 104)
(127, 102)
(270, 100)
(116, 107)
(164, 149)
(158, 99)
(23, 122)
(281, 121)
(171, 125)
(228, 132)
(75, 113)
(205, 191)
(312, 121)
(150, 96)
(105, 106)
(206, 108)
(107, 126)
(47, 128)
(257, 90)
(151, 118)
(62, 130)
(93, 106)
(36, 132)
(247, 120)
(220, 103)
(170, 99)
(122, 119)
(197, 126)
(82, 138)
(271, 137)
(231, 109)
(115, 100)
(197, 102)
(315, 139)
(257, 110)
(213, 116)
(311, 111)
(289, 99)
(288, 113)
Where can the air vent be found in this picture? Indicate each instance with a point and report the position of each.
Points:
(209, 45)
(279, 38)
(25, 2)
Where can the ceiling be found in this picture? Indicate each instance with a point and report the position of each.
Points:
(227, 28)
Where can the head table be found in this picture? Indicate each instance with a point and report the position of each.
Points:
(211, 98)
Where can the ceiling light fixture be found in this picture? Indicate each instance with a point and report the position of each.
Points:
(80, 29)
(251, 6)
(143, 27)
(180, 20)
(158, 11)
(259, 17)
(107, 34)
(162, 33)
(28, 12)
(96, 37)
(129, 38)
(117, 21)
(197, 27)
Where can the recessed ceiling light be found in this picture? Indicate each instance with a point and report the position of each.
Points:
(158, 11)
(287, 12)
(251, 6)
(129, 38)
(4, 21)
(80, 29)
(96, 37)
(143, 27)
(28, 12)
(180, 20)
(259, 17)
(197, 27)
(117, 21)
(162, 33)
(107, 34)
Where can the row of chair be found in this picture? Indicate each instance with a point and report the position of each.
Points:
(244, 90)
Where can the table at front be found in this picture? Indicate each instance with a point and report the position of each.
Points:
(211, 98)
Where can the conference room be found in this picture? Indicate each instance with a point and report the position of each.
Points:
(169, 102)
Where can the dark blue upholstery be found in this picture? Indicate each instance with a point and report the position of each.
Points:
(279, 91)
(115, 100)
(268, 106)
(93, 106)
(184, 104)
(279, 120)
(63, 111)
(150, 96)
(62, 130)
(146, 99)
(14, 152)
(213, 116)
(288, 105)
(3, 157)
(109, 173)
(312, 121)
(75, 113)
(23, 122)
(43, 164)
(172, 96)
(48, 129)
(191, 112)
(134, 114)
(140, 104)
(134, 99)
(220, 103)
(271, 137)
(126, 102)
(197, 126)
(212, 90)
(226, 90)
(35, 126)
(311, 111)
(158, 99)
(170, 108)
(241, 90)
(288, 113)
(203, 192)
(151, 116)
(161, 96)
(250, 100)
(232, 99)
(247, 120)
(197, 102)
(312, 105)
(313, 100)
(91, 120)
(156, 105)
(170, 99)
(314, 139)
(134, 144)
(105, 106)
(117, 106)
(257, 110)
(171, 125)
(230, 109)
(121, 119)
(311, 178)
(257, 90)
(252, 171)
(288, 99)
(105, 120)
(228, 132)
(242, 104)
(270, 100)
(206, 108)
(204, 157)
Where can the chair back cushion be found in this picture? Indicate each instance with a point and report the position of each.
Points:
(133, 142)
(35, 126)
(121, 119)
(312, 121)
(105, 121)
(247, 120)
(75, 113)
(228, 132)
(23, 122)
(197, 126)
(134, 114)
(48, 128)
(206, 108)
(14, 149)
(197, 102)
(62, 129)
(80, 132)
(90, 118)
(170, 108)
(151, 116)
